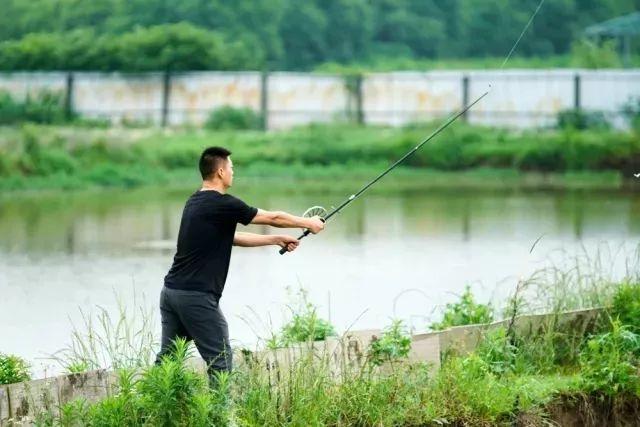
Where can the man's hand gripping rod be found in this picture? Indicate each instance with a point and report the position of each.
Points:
(390, 168)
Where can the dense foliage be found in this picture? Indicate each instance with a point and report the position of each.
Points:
(464, 312)
(13, 369)
(626, 306)
(226, 118)
(393, 344)
(74, 158)
(304, 326)
(286, 34)
(44, 107)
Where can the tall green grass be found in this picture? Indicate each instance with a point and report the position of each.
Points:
(77, 158)
(104, 341)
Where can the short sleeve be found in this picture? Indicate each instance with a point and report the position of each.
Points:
(240, 211)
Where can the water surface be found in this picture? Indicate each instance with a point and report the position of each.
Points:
(390, 254)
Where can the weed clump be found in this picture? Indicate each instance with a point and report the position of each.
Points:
(167, 394)
(393, 344)
(626, 306)
(609, 362)
(231, 118)
(304, 326)
(465, 312)
(13, 369)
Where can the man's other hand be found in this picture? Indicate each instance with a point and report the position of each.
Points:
(316, 224)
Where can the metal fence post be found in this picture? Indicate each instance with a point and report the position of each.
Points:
(359, 100)
(577, 88)
(68, 100)
(264, 99)
(465, 95)
(354, 107)
(166, 93)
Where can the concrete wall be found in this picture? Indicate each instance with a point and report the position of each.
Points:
(301, 98)
(519, 98)
(194, 95)
(403, 97)
(134, 97)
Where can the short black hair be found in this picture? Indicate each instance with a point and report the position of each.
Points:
(210, 160)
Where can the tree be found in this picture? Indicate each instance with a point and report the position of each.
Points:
(303, 30)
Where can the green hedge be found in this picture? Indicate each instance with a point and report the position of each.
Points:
(176, 47)
(45, 151)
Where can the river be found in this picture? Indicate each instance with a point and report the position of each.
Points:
(391, 254)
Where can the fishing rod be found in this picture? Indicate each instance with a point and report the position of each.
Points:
(322, 212)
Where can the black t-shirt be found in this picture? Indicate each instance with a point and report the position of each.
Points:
(205, 240)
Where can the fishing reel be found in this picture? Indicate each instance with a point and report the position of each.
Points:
(315, 211)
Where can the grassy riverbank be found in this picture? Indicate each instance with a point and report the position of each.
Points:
(565, 370)
(45, 157)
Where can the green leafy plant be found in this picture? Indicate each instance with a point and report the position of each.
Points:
(587, 54)
(626, 306)
(168, 394)
(13, 369)
(44, 107)
(631, 111)
(304, 326)
(497, 351)
(582, 120)
(464, 312)
(609, 364)
(231, 118)
(393, 344)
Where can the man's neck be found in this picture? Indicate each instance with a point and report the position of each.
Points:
(213, 185)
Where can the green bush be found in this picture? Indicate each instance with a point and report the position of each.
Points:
(497, 351)
(304, 326)
(631, 111)
(626, 306)
(582, 120)
(226, 118)
(168, 394)
(91, 156)
(13, 369)
(175, 47)
(393, 344)
(464, 312)
(44, 107)
(587, 54)
(609, 364)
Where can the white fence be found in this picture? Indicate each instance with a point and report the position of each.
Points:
(518, 98)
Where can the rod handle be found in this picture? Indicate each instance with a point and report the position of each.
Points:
(303, 235)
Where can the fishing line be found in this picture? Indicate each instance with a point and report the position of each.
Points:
(322, 212)
(515, 45)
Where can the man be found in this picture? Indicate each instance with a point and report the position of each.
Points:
(193, 287)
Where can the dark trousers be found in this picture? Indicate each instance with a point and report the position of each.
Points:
(196, 316)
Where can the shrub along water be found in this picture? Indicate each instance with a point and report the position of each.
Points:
(464, 312)
(45, 107)
(97, 157)
(305, 325)
(13, 369)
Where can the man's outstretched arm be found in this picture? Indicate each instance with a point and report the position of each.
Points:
(285, 220)
(251, 240)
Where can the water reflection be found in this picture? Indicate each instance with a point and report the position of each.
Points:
(107, 222)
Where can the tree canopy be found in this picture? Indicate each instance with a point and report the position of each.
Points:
(139, 35)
